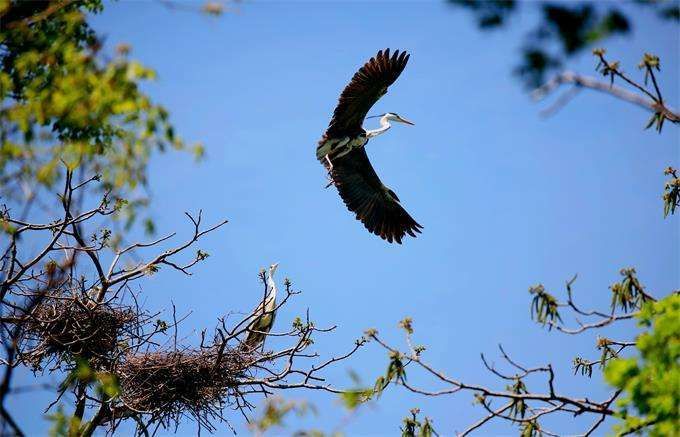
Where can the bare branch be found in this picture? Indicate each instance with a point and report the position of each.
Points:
(577, 80)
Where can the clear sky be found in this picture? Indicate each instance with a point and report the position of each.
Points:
(507, 198)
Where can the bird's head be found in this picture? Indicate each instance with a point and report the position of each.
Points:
(272, 268)
(396, 117)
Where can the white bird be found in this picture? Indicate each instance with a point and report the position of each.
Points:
(264, 314)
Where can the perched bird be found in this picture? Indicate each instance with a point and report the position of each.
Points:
(264, 314)
(342, 150)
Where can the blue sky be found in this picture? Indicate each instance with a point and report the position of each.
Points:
(507, 198)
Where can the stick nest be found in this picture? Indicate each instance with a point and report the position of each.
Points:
(168, 385)
(63, 328)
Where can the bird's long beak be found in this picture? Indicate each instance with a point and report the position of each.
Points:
(403, 120)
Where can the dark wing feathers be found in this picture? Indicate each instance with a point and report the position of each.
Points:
(375, 205)
(366, 87)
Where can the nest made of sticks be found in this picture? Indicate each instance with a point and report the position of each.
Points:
(170, 384)
(67, 327)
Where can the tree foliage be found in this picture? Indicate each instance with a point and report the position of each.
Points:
(65, 100)
(563, 30)
(651, 381)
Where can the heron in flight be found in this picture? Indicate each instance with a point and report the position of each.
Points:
(264, 314)
(342, 150)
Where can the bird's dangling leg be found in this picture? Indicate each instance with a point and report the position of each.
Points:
(330, 164)
(330, 172)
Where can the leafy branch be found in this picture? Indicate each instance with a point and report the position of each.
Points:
(519, 402)
(671, 195)
(650, 100)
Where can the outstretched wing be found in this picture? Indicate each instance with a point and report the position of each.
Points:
(367, 86)
(375, 205)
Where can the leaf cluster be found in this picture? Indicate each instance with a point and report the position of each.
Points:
(628, 294)
(671, 195)
(531, 429)
(414, 427)
(396, 371)
(584, 366)
(518, 407)
(107, 387)
(651, 381)
(65, 101)
(544, 306)
(275, 411)
(563, 29)
(608, 353)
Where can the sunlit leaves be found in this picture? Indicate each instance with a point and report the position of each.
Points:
(395, 372)
(161, 325)
(531, 429)
(151, 270)
(606, 69)
(544, 306)
(657, 119)
(103, 236)
(65, 101)
(605, 345)
(413, 427)
(5, 226)
(518, 407)
(651, 382)
(629, 293)
(583, 366)
(407, 325)
(370, 333)
(353, 398)
(213, 8)
(106, 383)
(671, 195)
(275, 411)
(649, 62)
(61, 423)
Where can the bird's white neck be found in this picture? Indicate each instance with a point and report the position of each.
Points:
(384, 125)
(271, 290)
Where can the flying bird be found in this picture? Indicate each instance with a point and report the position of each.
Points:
(342, 150)
(264, 314)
